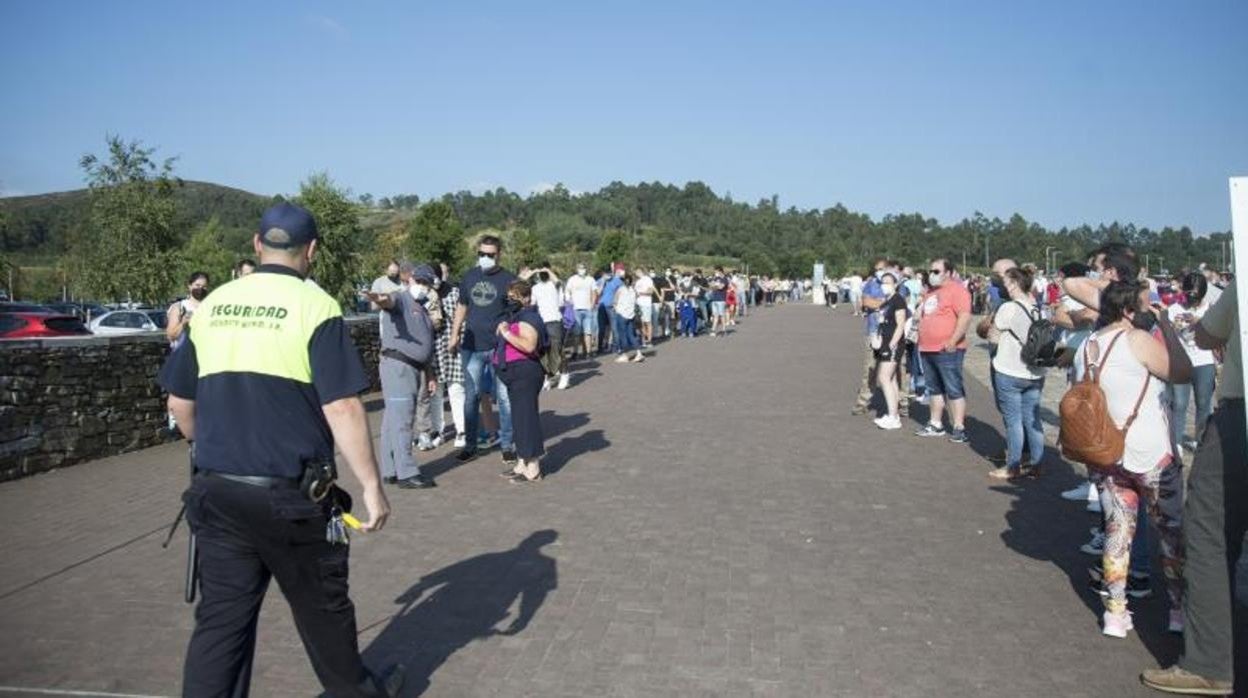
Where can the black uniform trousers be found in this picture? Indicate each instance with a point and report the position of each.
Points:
(246, 536)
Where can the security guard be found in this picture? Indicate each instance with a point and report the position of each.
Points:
(265, 385)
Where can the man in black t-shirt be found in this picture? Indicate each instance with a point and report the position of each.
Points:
(482, 300)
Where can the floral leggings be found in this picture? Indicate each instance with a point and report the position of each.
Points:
(1162, 490)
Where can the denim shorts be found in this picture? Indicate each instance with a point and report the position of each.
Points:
(943, 372)
(587, 321)
(719, 308)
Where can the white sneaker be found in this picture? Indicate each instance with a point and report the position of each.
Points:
(563, 381)
(1094, 505)
(461, 441)
(1078, 494)
(1096, 546)
(888, 423)
(638, 358)
(546, 385)
(436, 441)
(1116, 624)
(621, 359)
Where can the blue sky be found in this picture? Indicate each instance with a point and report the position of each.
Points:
(1066, 112)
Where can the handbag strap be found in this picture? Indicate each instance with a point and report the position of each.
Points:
(1101, 359)
(1148, 379)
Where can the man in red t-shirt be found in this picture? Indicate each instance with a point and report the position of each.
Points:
(945, 315)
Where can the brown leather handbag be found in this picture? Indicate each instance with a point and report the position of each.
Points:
(1088, 433)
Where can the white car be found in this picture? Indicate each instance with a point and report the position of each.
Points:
(119, 322)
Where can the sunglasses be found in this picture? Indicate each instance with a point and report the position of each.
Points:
(936, 271)
(491, 255)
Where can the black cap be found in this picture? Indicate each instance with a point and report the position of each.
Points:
(286, 225)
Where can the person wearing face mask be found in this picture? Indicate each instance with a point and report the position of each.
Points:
(179, 314)
(521, 342)
(870, 297)
(582, 292)
(387, 283)
(430, 417)
(406, 359)
(888, 346)
(1017, 386)
(1132, 368)
(946, 316)
(482, 304)
(268, 391)
(1185, 316)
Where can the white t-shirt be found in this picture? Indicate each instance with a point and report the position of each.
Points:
(1014, 323)
(855, 284)
(581, 292)
(1185, 325)
(626, 303)
(1122, 379)
(644, 287)
(546, 298)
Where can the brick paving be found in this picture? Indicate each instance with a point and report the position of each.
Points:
(717, 524)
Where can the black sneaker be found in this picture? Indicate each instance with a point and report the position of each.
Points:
(1137, 587)
(509, 456)
(465, 455)
(416, 482)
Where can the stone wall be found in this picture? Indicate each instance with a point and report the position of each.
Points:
(66, 401)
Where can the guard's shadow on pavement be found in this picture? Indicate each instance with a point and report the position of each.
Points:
(447, 609)
(1043, 526)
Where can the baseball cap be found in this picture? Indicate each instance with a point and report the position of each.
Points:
(286, 225)
(424, 274)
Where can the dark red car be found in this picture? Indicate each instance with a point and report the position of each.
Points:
(26, 321)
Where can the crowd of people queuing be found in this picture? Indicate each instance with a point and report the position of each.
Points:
(1152, 346)
(490, 343)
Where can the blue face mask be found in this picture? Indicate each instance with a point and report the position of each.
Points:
(486, 263)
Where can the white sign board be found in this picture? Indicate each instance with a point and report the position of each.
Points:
(1239, 239)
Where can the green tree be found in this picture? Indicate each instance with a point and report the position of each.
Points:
(616, 246)
(436, 236)
(336, 266)
(128, 247)
(207, 251)
(527, 249)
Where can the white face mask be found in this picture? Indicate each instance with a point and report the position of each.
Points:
(486, 263)
(418, 292)
(889, 289)
(580, 271)
(935, 279)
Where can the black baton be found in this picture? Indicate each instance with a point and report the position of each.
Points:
(192, 556)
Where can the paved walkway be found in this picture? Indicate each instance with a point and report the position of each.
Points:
(716, 524)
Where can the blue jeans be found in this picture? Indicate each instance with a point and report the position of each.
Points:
(474, 365)
(916, 369)
(1019, 402)
(1181, 395)
(943, 371)
(625, 337)
(607, 324)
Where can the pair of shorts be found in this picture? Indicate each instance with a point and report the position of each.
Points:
(587, 321)
(645, 310)
(943, 372)
(718, 308)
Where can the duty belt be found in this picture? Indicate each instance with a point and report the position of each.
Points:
(272, 483)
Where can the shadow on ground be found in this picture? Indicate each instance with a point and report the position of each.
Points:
(446, 610)
(553, 425)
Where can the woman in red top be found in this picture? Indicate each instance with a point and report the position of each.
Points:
(731, 301)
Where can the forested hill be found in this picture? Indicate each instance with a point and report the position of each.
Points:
(42, 225)
(695, 220)
(661, 221)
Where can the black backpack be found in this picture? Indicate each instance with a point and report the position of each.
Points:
(1040, 348)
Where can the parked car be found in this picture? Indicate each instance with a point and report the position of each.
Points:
(32, 325)
(21, 307)
(119, 322)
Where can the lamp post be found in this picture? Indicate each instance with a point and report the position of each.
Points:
(1048, 269)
